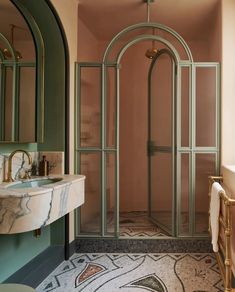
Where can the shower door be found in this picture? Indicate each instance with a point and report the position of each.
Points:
(161, 141)
(96, 149)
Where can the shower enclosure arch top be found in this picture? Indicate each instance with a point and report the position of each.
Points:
(148, 37)
(163, 29)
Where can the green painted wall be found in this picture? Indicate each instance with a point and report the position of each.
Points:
(17, 250)
(7, 148)
(57, 232)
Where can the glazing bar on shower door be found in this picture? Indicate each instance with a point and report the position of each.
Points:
(103, 156)
(117, 160)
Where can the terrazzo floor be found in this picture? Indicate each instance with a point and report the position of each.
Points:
(181, 272)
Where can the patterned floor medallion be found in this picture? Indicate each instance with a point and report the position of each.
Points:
(135, 273)
(89, 271)
(151, 282)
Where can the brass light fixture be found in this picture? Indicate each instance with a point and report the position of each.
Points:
(150, 53)
(7, 54)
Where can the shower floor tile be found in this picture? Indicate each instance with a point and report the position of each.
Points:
(137, 224)
(171, 272)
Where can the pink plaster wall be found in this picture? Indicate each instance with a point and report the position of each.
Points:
(87, 49)
(228, 84)
(215, 38)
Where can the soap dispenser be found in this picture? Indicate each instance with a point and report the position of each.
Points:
(43, 166)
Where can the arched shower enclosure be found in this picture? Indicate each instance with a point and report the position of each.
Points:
(182, 140)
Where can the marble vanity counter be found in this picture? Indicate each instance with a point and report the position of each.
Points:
(30, 208)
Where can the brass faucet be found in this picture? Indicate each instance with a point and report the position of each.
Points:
(9, 174)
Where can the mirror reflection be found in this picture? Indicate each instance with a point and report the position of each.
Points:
(18, 110)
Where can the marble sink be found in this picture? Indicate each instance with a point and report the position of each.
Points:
(34, 183)
(31, 204)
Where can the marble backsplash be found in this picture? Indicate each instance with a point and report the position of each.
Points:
(20, 164)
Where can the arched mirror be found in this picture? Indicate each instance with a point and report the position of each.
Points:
(21, 78)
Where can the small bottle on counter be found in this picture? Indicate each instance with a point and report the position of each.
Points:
(43, 166)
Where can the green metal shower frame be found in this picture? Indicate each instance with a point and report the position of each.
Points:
(191, 149)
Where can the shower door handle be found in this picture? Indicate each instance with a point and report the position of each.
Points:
(152, 148)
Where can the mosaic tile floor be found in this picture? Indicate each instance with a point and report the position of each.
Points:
(135, 272)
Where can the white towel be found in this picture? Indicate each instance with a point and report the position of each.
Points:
(214, 214)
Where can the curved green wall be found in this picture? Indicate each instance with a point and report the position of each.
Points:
(17, 250)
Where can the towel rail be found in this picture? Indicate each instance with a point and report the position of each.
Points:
(221, 221)
(221, 264)
(222, 248)
(223, 256)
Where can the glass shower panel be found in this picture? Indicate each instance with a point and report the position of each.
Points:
(90, 92)
(161, 193)
(90, 218)
(185, 193)
(205, 166)
(161, 101)
(185, 79)
(110, 193)
(110, 106)
(161, 189)
(206, 106)
(27, 104)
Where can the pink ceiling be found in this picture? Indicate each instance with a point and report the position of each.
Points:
(193, 19)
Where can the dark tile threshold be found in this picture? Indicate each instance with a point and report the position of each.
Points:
(85, 245)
